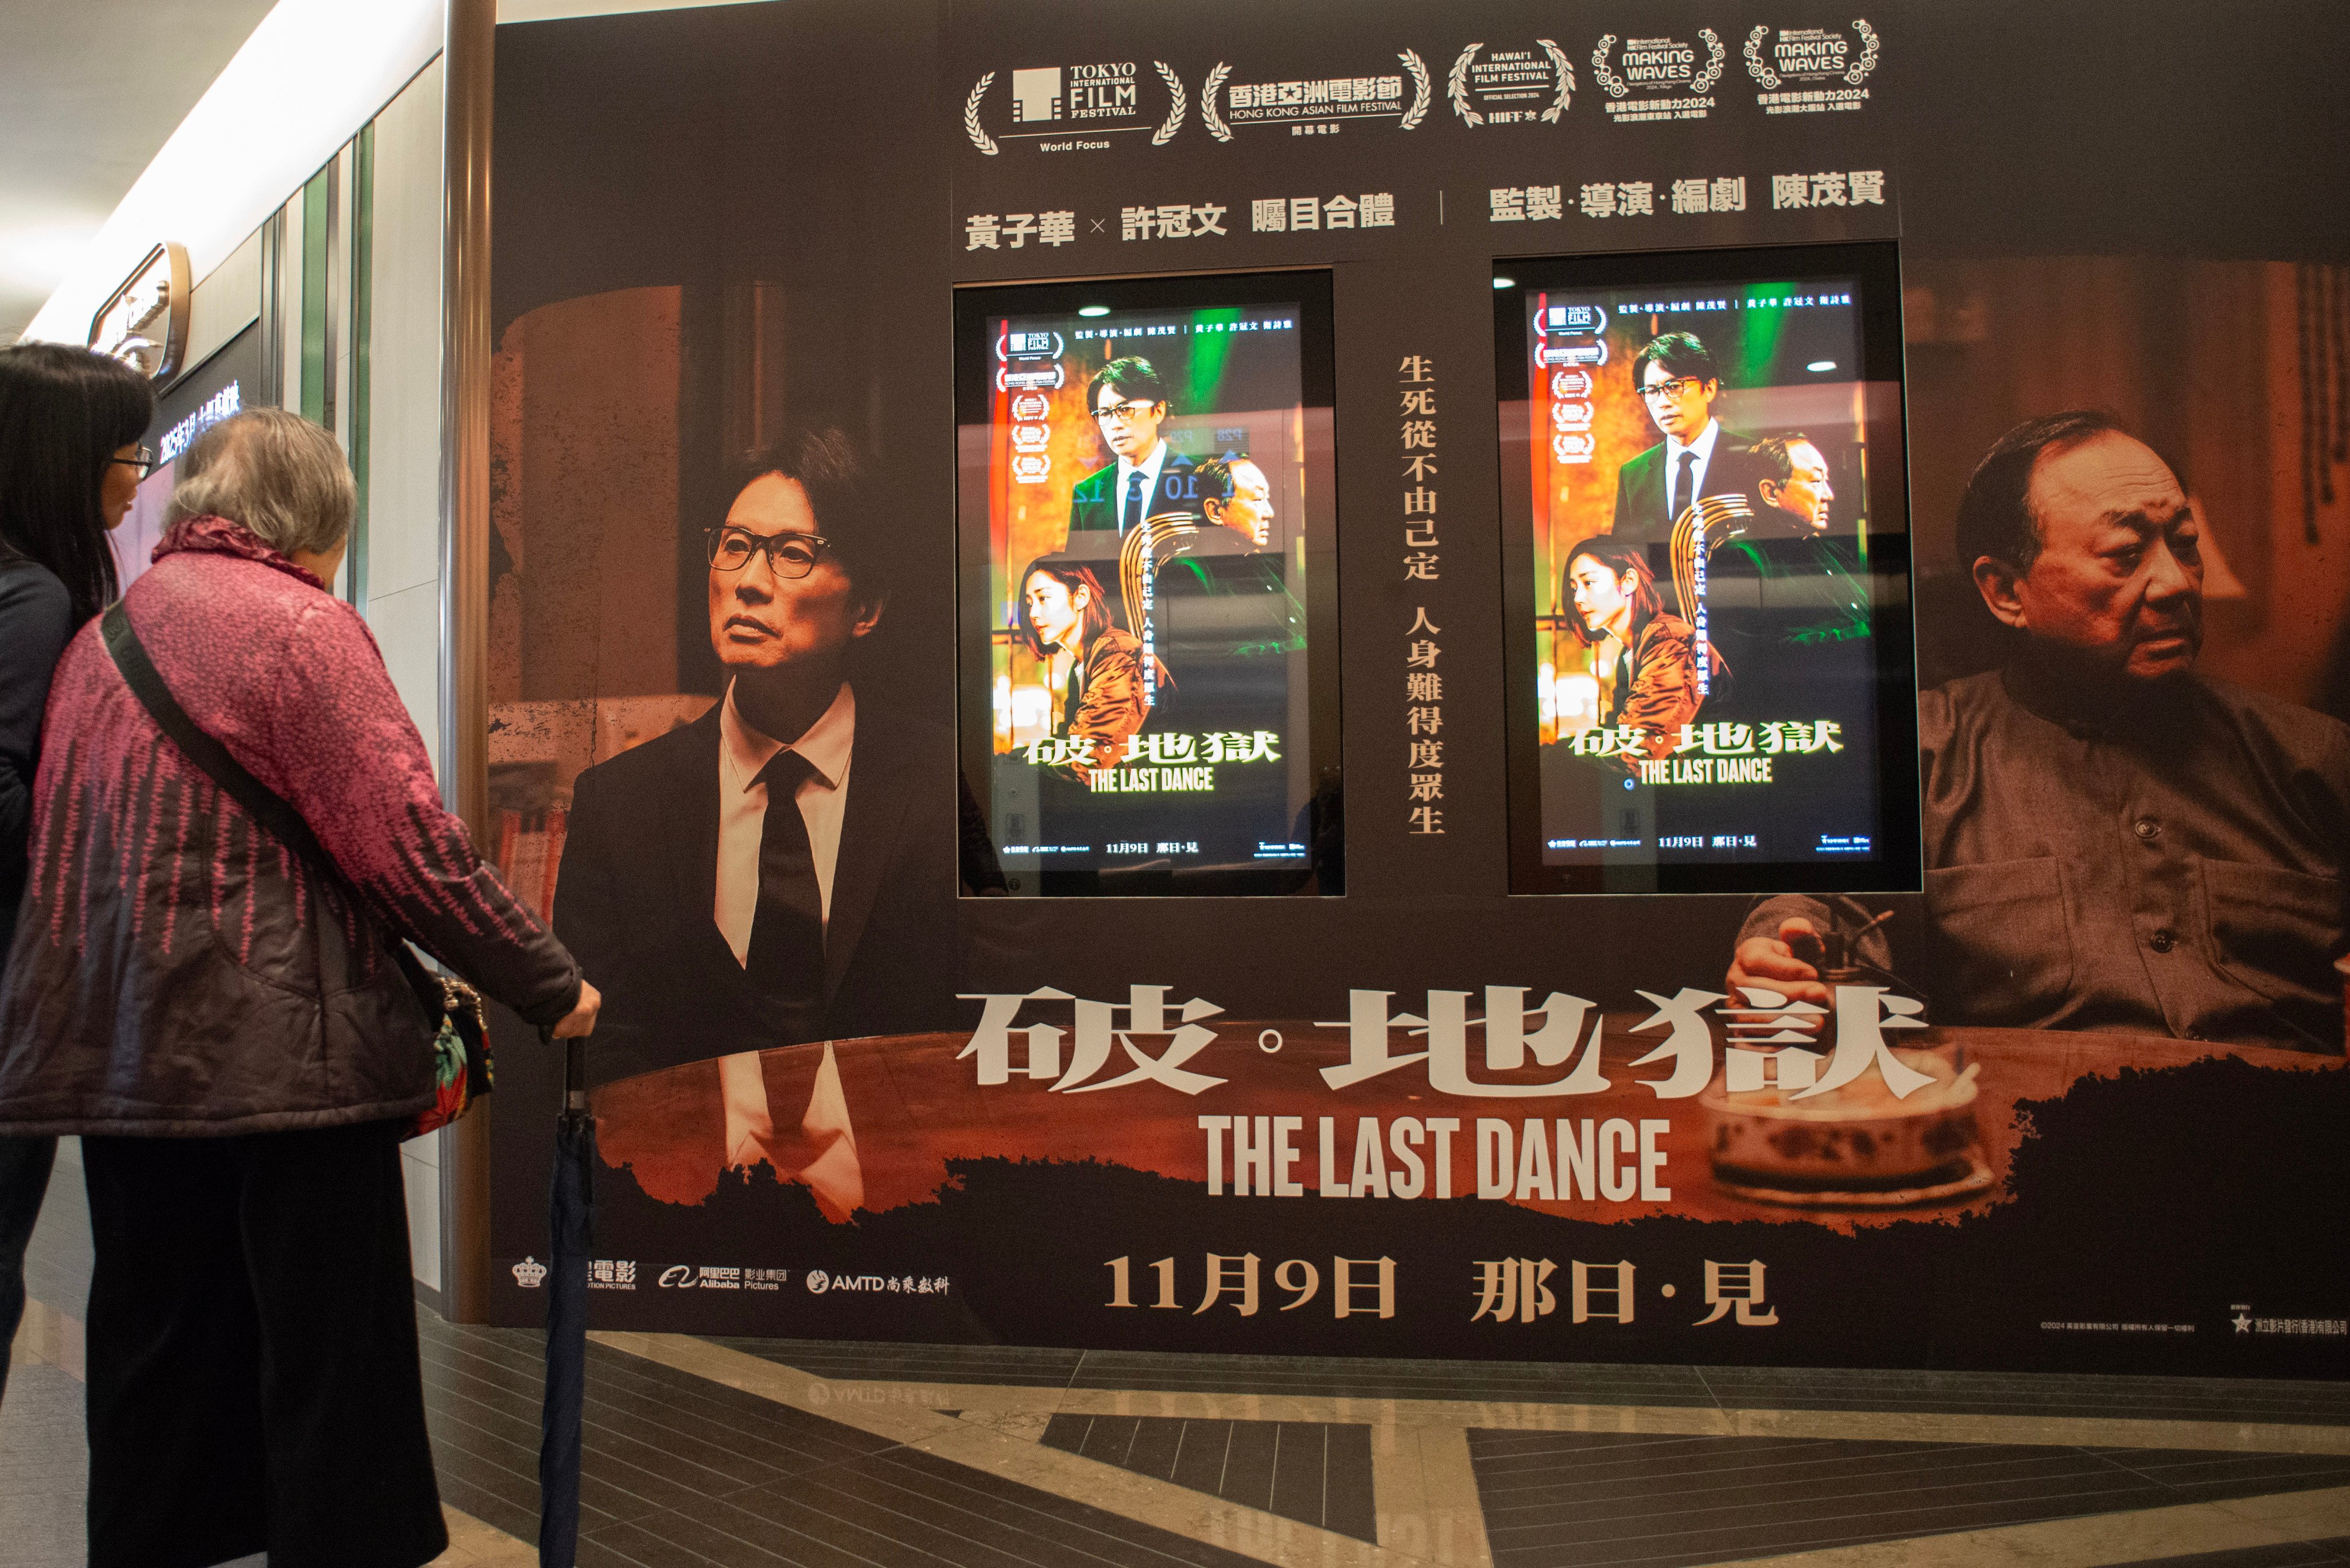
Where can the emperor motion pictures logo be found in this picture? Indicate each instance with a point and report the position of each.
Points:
(603, 1274)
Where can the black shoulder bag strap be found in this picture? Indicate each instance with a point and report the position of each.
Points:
(265, 805)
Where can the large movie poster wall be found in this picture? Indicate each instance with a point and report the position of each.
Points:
(1094, 808)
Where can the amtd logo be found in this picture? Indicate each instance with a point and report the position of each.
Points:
(860, 1281)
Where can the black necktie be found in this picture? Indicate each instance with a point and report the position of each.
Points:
(1129, 511)
(785, 958)
(1684, 484)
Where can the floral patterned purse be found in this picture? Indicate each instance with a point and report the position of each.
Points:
(462, 1071)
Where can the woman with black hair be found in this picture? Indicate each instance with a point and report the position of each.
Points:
(1613, 592)
(70, 465)
(1094, 669)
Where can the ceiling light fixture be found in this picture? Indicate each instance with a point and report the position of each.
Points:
(311, 75)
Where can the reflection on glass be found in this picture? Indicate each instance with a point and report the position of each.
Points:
(1147, 511)
(1714, 524)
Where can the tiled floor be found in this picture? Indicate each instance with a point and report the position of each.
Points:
(1723, 1387)
(1580, 1500)
(717, 1453)
(2297, 1554)
(680, 1468)
(42, 1468)
(1316, 1473)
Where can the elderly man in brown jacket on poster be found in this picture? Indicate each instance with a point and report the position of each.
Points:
(2112, 841)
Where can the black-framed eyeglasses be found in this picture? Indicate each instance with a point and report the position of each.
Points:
(143, 459)
(789, 555)
(1128, 412)
(1677, 388)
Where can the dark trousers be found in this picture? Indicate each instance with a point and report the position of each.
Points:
(24, 1182)
(254, 1381)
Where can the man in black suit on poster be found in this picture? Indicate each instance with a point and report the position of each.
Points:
(1146, 476)
(760, 878)
(1679, 382)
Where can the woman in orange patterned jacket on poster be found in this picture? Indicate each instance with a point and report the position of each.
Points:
(1093, 670)
(1613, 595)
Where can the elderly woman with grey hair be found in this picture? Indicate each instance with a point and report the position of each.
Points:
(223, 1022)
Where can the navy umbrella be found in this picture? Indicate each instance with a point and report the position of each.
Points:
(571, 1217)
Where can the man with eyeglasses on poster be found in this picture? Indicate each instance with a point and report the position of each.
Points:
(1146, 476)
(756, 878)
(1679, 382)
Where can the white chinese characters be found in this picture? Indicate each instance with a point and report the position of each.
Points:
(1519, 1290)
(1562, 1035)
(1283, 215)
(1685, 197)
(1012, 231)
(1829, 188)
(1094, 1032)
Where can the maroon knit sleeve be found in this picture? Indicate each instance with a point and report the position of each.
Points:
(343, 751)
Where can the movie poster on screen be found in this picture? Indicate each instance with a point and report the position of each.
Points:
(1147, 508)
(1717, 521)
